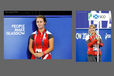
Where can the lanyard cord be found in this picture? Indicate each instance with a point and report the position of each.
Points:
(42, 39)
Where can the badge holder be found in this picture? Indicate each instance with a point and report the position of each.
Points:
(95, 48)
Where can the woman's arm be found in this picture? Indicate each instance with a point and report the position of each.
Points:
(30, 47)
(51, 46)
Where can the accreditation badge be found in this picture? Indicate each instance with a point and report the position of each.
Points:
(95, 48)
(38, 50)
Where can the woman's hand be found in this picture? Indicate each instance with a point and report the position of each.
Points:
(98, 42)
(35, 54)
(40, 54)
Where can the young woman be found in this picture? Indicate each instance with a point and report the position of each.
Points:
(94, 43)
(41, 41)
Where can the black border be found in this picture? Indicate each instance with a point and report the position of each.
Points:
(37, 12)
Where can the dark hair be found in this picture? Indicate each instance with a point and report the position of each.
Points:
(43, 17)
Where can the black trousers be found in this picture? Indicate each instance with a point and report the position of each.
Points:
(92, 58)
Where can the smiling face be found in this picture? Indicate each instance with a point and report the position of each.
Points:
(40, 23)
(92, 30)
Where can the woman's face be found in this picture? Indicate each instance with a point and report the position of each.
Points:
(92, 31)
(40, 23)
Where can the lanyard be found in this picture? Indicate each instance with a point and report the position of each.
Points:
(42, 39)
(93, 38)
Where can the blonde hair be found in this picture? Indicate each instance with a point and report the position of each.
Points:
(91, 26)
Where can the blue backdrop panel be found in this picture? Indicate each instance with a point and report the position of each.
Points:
(16, 46)
(81, 47)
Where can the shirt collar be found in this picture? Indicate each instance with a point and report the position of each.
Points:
(42, 32)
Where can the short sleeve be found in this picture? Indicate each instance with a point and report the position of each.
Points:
(50, 36)
(32, 37)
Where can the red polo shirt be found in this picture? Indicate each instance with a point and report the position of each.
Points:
(91, 41)
(38, 45)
